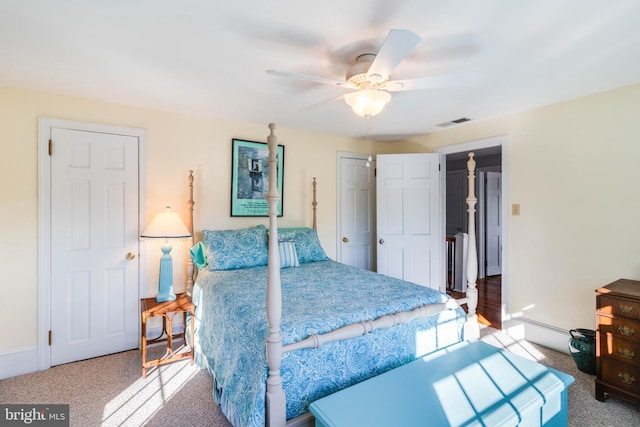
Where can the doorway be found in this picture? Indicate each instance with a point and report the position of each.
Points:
(491, 162)
(89, 220)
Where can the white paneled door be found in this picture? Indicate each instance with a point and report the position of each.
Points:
(410, 245)
(94, 244)
(356, 192)
(493, 193)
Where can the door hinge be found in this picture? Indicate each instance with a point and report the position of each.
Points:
(439, 168)
(50, 336)
(50, 147)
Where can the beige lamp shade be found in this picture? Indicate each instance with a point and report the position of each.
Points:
(166, 225)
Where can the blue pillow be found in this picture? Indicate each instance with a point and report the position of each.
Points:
(199, 255)
(288, 254)
(234, 249)
(307, 243)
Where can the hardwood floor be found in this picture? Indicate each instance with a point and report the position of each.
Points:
(489, 301)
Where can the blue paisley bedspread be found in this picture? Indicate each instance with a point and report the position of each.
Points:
(318, 297)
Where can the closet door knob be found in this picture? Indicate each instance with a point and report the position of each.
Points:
(345, 240)
(130, 256)
(381, 241)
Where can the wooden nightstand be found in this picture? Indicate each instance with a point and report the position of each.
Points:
(151, 308)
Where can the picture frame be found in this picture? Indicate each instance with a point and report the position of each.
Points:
(250, 178)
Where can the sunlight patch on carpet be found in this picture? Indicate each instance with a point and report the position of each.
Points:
(514, 342)
(138, 403)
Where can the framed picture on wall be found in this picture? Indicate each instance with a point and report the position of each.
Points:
(250, 178)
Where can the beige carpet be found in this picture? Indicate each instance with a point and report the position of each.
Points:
(109, 391)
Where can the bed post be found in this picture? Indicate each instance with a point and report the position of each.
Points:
(190, 266)
(275, 410)
(472, 329)
(314, 204)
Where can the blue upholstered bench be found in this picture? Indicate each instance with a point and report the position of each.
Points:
(470, 383)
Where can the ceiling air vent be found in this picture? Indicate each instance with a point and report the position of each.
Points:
(453, 122)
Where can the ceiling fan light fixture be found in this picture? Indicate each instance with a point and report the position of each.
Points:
(367, 102)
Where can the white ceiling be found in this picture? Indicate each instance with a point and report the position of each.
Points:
(209, 57)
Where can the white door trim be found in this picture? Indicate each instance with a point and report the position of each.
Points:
(45, 124)
(495, 141)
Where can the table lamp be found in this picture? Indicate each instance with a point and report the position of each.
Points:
(166, 225)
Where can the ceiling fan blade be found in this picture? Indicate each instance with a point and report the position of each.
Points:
(321, 104)
(396, 46)
(311, 78)
(431, 82)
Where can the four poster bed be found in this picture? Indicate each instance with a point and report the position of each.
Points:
(327, 325)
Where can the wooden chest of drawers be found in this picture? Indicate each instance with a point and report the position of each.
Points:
(618, 340)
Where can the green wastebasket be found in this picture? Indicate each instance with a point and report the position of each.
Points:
(582, 346)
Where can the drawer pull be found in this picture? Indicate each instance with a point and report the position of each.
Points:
(626, 378)
(626, 353)
(626, 330)
(627, 309)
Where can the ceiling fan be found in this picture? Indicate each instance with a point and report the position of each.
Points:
(369, 76)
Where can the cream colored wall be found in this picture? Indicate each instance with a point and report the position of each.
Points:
(573, 168)
(176, 144)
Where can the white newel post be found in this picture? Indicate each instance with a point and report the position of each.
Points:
(275, 410)
(472, 329)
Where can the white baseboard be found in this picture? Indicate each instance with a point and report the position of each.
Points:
(25, 361)
(540, 333)
(18, 362)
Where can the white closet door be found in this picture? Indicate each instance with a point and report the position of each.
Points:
(94, 226)
(410, 245)
(356, 213)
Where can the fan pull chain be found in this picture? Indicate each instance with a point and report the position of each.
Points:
(369, 159)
